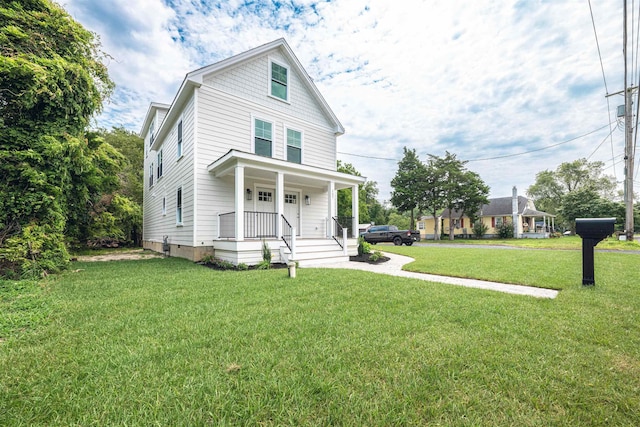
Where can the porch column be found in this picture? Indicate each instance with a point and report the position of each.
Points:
(239, 202)
(331, 207)
(279, 203)
(354, 211)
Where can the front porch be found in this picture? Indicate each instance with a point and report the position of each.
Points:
(283, 239)
(288, 205)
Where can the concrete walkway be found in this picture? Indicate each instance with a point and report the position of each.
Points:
(393, 267)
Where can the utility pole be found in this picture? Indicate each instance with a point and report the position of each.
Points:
(628, 138)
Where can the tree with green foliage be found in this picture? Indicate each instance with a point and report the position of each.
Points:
(409, 184)
(451, 185)
(368, 206)
(52, 81)
(551, 186)
(587, 203)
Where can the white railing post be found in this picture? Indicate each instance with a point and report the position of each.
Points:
(218, 225)
(345, 243)
(293, 243)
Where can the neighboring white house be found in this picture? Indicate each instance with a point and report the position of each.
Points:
(246, 154)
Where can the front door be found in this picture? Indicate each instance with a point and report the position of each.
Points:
(264, 223)
(292, 209)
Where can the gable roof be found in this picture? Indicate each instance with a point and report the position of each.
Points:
(195, 79)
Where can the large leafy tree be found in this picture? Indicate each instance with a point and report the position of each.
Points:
(551, 186)
(368, 206)
(409, 184)
(451, 185)
(587, 203)
(109, 211)
(52, 80)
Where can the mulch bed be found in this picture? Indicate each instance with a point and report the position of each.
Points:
(365, 258)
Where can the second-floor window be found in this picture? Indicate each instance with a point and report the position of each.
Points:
(263, 138)
(279, 81)
(180, 139)
(159, 164)
(151, 130)
(294, 146)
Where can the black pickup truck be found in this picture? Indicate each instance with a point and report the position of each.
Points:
(390, 233)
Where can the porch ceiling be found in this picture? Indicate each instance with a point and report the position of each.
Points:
(264, 168)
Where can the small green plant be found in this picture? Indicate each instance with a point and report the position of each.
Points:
(479, 229)
(375, 257)
(263, 265)
(207, 259)
(217, 263)
(363, 247)
(266, 252)
(242, 266)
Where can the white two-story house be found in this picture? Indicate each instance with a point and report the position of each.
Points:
(246, 154)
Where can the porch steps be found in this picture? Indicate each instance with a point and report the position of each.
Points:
(315, 252)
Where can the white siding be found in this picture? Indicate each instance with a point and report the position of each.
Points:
(176, 173)
(250, 81)
(225, 122)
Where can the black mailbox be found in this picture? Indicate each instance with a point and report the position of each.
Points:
(592, 231)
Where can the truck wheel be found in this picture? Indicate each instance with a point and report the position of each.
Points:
(409, 243)
(397, 241)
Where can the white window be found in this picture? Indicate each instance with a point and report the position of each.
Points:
(420, 225)
(265, 196)
(164, 206)
(151, 175)
(160, 163)
(291, 199)
(263, 138)
(151, 132)
(279, 81)
(180, 139)
(498, 221)
(179, 206)
(294, 146)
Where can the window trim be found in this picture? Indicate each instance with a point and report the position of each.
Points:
(151, 129)
(253, 134)
(179, 207)
(164, 205)
(159, 166)
(270, 80)
(179, 139)
(286, 143)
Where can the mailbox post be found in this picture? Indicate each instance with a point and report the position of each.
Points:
(592, 231)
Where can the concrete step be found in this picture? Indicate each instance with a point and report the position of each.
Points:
(311, 252)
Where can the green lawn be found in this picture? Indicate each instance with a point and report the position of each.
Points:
(564, 242)
(168, 342)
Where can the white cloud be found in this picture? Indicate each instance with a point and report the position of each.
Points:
(480, 79)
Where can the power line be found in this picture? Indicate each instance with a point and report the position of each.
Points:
(599, 145)
(488, 158)
(595, 33)
(542, 148)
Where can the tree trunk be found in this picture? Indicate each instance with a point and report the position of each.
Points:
(451, 226)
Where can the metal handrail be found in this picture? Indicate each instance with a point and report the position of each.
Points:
(337, 236)
(287, 233)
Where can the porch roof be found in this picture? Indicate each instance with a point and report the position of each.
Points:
(260, 166)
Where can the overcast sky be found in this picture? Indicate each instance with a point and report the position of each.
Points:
(484, 79)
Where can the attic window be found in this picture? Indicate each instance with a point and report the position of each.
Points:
(279, 81)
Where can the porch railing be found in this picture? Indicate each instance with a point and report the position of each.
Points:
(346, 222)
(256, 224)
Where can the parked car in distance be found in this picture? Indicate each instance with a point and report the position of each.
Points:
(390, 233)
